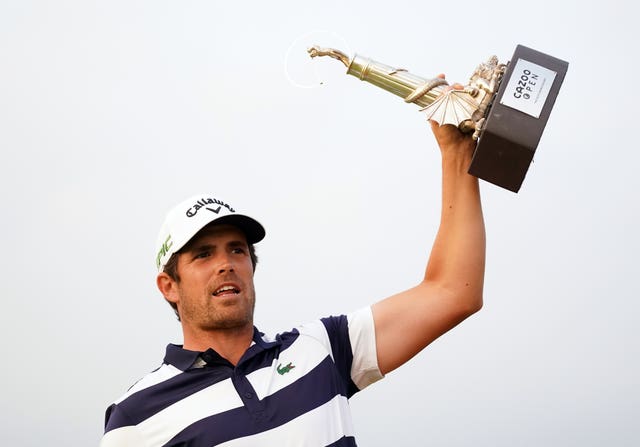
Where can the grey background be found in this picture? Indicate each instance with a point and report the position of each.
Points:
(111, 112)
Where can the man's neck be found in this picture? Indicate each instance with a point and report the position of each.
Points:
(229, 343)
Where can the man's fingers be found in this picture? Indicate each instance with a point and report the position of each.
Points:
(456, 86)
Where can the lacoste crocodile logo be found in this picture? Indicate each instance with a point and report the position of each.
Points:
(285, 369)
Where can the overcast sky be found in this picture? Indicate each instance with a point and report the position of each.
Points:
(111, 112)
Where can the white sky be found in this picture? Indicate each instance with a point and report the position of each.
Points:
(113, 111)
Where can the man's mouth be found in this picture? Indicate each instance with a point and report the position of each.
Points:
(226, 290)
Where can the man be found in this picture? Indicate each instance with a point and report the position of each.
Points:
(231, 385)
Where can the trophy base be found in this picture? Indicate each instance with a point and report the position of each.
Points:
(517, 118)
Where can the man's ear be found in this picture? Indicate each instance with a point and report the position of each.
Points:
(168, 287)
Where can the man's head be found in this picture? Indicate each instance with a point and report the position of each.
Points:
(202, 240)
(186, 219)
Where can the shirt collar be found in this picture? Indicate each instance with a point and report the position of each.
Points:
(184, 359)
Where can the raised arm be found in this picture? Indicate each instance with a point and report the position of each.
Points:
(451, 289)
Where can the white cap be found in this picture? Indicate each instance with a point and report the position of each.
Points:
(191, 216)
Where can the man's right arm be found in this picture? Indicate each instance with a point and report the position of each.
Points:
(451, 289)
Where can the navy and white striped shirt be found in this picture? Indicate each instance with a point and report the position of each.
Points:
(289, 390)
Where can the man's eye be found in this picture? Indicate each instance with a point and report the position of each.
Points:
(203, 254)
(238, 250)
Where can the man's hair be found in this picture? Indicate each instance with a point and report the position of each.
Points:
(171, 269)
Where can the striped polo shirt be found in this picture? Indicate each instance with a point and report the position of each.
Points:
(287, 390)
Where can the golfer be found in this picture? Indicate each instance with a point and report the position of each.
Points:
(229, 384)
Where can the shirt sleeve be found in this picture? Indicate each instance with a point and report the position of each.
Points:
(118, 433)
(362, 335)
(123, 437)
(352, 343)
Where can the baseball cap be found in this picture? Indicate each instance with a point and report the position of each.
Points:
(191, 216)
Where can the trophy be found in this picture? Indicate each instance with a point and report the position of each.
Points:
(504, 106)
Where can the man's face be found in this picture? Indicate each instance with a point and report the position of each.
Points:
(216, 289)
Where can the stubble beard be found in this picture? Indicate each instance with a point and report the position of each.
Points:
(213, 316)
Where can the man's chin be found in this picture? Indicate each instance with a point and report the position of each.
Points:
(230, 324)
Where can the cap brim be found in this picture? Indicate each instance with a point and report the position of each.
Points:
(253, 230)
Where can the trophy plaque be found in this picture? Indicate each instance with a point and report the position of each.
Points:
(504, 106)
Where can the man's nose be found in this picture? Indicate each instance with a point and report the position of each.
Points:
(226, 265)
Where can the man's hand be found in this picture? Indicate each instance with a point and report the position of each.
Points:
(452, 141)
(448, 136)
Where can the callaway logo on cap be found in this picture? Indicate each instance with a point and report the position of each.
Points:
(191, 216)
